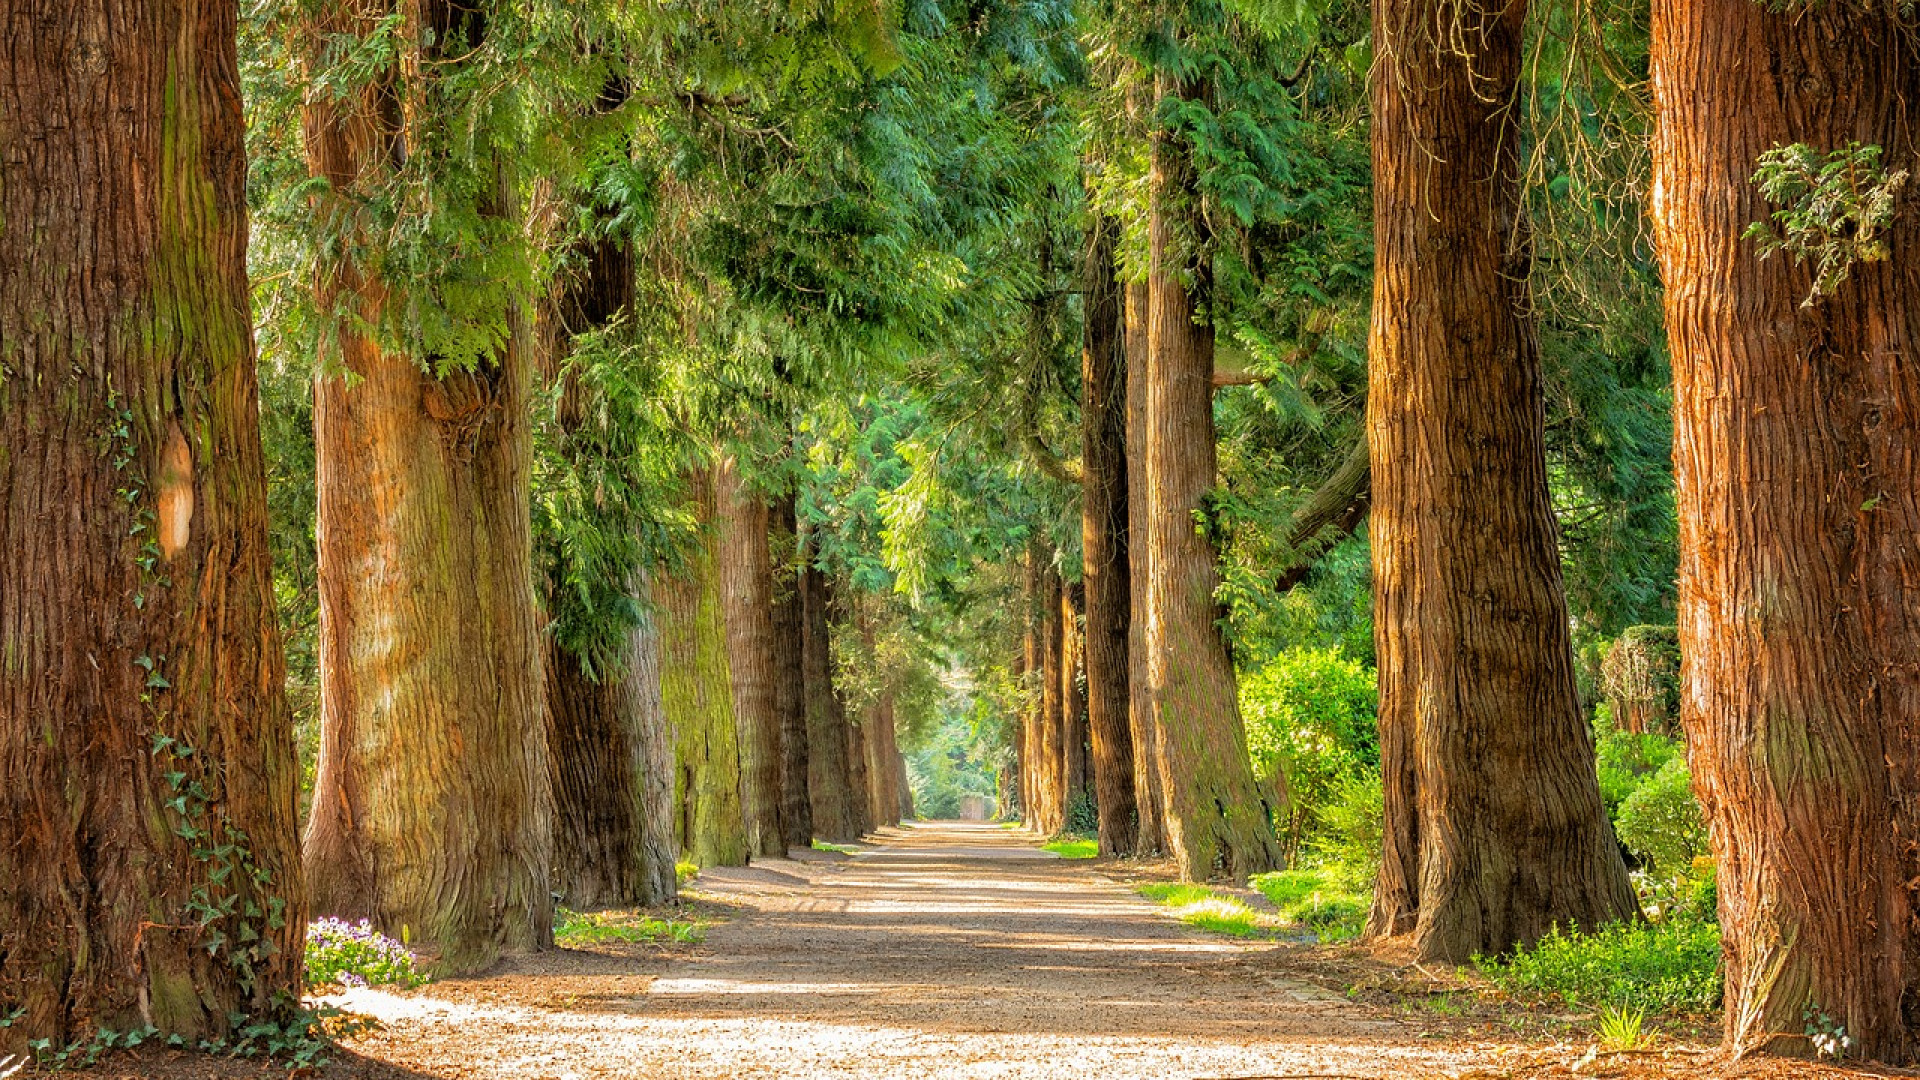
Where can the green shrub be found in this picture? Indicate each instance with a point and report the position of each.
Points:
(1083, 815)
(1310, 723)
(1346, 848)
(1671, 966)
(1641, 678)
(1661, 823)
(1625, 760)
(352, 954)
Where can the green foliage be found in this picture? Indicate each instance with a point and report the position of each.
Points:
(1835, 209)
(1670, 966)
(1347, 846)
(1318, 900)
(1661, 823)
(1073, 846)
(1310, 722)
(684, 872)
(1641, 677)
(574, 930)
(1626, 760)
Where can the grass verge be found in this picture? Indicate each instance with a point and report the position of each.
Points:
(1219, 913)
(1070, 846)
(573, 929)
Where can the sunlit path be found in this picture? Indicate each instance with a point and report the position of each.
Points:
(941, 950)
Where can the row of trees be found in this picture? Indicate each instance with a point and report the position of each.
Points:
(1796, 495)
(688, 389)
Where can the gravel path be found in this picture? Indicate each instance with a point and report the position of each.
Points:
(939, 950)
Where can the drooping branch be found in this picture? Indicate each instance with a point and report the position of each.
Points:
(1339, 505)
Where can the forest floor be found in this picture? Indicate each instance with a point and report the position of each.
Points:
(957, 950)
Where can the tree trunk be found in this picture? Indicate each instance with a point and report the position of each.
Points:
(829, 768)
(1075, 767)
(1797, 455)
(1103, 540)
(696, 689)
(789, 686)
(1032, 695)
(747, 573)
(1494, 830)
(609, 760)
(1217, 819)
(1149, 791)
(143, 720)
(432, 807)
(1051, 793)
(612, 768)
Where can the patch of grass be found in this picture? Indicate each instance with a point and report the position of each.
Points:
(684, 872)
(1314, 899)
(1072, 846)
(822, 845)
(574, 929)
(1199, 906)
(354, 954)
(1671, 966)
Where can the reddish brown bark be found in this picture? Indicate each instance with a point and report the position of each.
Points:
(789, 687)
(1076, 768)
(1103, 539)
(1149, 791)
(836, 817)
(429, 640)
(1216, 819)
(1494, 830)
(746, 564)
(1050, 773)
(1797, 455)
(136, 604)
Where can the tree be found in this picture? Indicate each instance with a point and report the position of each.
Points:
(829, 751)
(429, 638)
(609, 754)
(696, 688)
(1104, 542)
(1797, 451)
(746, 564)
(1494, 829)
(1149, 788)
(790, 691)
(1216, 819)
(149, 874)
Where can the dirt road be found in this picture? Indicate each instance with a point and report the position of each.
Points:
(942, 950)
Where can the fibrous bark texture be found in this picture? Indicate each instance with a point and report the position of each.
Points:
(1075, 766)
(140, 661)
(829, 750)
(696, 688)
(789, 686)
(1797, 459)
(1103, 539)
(1050, 774)
(1149, 791)
(1494, 829)
(747, 574)
(1217, 820)
(612, 767)
(432, 810)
